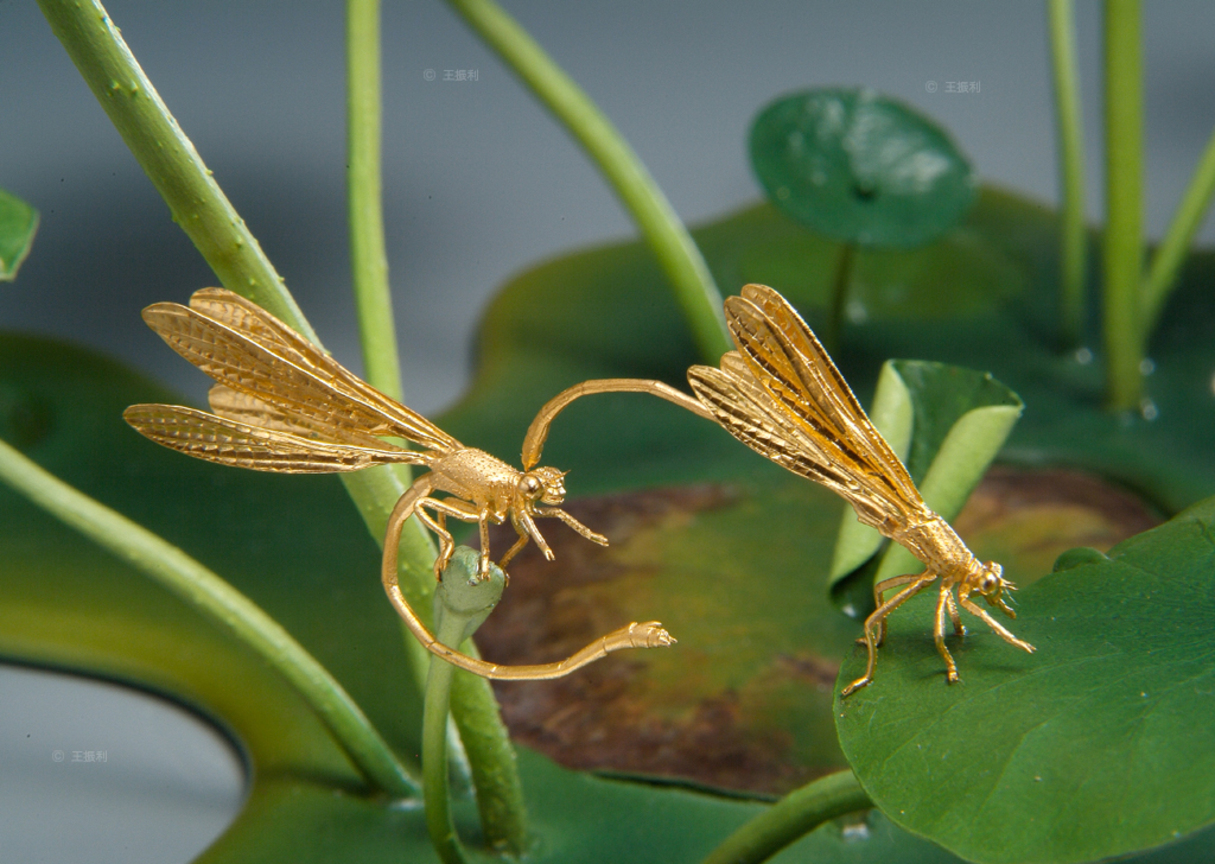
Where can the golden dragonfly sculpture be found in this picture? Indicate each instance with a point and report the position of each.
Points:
(283, 405)
(780, 394)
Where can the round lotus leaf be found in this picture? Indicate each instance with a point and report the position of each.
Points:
(859, 167)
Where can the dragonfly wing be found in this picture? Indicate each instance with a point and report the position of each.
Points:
(746, 410)
(242, 408)
(218, 439)
(226, 307)
(787, 359)
(250, 351)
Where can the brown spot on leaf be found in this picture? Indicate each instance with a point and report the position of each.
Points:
(600, 717)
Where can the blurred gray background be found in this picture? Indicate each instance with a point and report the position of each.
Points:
(479, 183)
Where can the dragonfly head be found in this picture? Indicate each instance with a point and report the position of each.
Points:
(542, 485)
(992, 585)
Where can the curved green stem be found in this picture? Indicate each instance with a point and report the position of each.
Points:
(1123, 254)
(1073, 239)
(222, 604)
(368, 259)
(677, 253)
(434, 763)
(790, 818)
(491, 760)
(1176, 243)
(462, 603)
(486, 742)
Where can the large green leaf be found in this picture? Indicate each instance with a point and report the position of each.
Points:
(1099, 744)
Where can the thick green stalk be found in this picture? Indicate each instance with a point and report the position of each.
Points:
(462, 603)
(225, 606)
(491, 760)
(792, 817)
(677, 253)
(1073, 239)
(368, 259)
(1123, 253)
(1169, 257)
(439, 823)
(486, 742)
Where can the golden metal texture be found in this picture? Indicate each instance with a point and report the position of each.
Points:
(283, 405)
(780, 394)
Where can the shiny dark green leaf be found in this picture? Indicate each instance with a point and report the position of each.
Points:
(1097, 745)
(859, 167)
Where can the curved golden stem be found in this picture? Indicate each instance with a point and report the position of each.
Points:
(537, 433)
(649, 634)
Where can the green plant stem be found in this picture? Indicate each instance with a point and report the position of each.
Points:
(434, 760)
(844, 264)
(1123, 253)
(1166, 263)
(792, 817)
(462, 603)
(491, 759)
(225, 606)
(677, 253)
(368, 259)
(1073, 240)
(486, 742)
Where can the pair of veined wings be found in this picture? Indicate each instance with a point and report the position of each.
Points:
(781, 395)
(281, 404)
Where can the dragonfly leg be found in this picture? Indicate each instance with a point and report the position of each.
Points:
(1001, 631)
(518, 544)
(944, 607)
(878, 618)
(483, 529)
(441, 508)
(879, 590)
(958, 629)
(438, 526)
(514, 550)
(558, 513)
